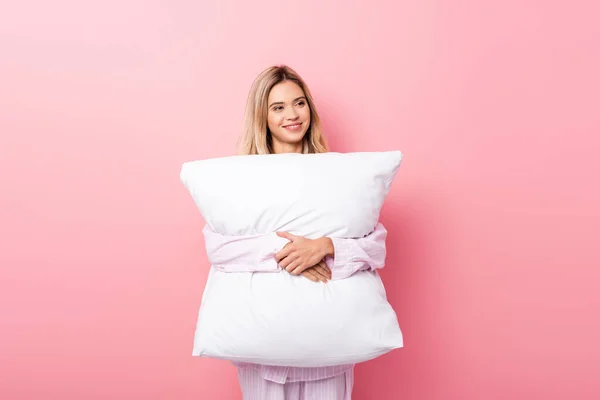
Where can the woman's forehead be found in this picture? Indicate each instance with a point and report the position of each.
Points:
(285, 91)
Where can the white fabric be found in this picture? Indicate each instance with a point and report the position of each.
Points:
(312, 195)
(277, 318)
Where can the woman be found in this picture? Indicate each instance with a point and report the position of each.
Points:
(281, 117)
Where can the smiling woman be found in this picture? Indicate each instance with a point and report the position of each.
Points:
(288, 117)
(281, 116)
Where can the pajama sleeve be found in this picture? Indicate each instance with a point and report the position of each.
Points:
(243, 253)
(352, 255)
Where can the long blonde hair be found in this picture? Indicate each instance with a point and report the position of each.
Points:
(256, 137)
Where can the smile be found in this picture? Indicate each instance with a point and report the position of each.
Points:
(293, 128)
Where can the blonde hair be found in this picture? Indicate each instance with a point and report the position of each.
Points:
(256, 137)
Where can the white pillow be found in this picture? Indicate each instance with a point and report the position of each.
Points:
(277, 318)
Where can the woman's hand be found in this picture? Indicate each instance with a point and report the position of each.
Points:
(302, 253)
(318, 273)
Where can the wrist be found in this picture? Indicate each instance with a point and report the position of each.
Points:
(327, 246)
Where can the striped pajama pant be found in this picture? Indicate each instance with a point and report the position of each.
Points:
(255, 387)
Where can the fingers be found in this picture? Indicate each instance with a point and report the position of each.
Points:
(287, 236)
(294, 264)
(314, 275)
(323, 274)
(317, 273)
(310, 275)
(323, 270)
(296, 267)
(283, 253)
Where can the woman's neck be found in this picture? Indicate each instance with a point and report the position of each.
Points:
(279, 147)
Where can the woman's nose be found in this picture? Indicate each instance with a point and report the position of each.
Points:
(291, 114)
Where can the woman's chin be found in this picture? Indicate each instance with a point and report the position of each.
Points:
(292, 137)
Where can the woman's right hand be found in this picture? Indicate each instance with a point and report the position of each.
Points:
(317, 273)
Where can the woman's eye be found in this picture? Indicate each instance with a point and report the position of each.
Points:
(301, 103)
(277, 108)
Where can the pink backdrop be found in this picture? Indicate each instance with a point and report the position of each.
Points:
(492, 219)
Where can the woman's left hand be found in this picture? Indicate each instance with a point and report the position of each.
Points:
(302, 253)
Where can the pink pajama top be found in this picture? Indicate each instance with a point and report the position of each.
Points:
(239, 254)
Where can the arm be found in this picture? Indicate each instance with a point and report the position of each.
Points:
(344, 257)
(351, 255)
(242, 253)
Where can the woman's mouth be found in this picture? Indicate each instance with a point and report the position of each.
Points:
(294, 127)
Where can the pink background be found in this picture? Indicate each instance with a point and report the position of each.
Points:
(492, 219)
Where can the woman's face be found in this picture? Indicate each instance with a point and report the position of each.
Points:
(288, 117)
